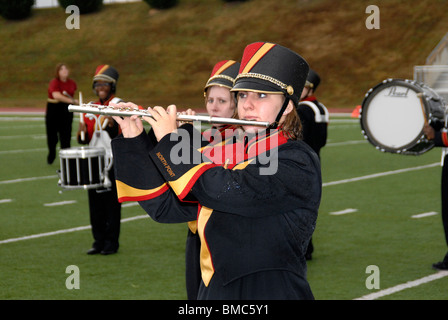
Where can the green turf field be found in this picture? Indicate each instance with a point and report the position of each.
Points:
(43, 231)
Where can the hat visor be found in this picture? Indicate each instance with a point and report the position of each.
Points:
(256, 85)
(103, 77)
(219, 82)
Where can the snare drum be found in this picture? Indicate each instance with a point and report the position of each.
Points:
(394, 112)
(82, 168)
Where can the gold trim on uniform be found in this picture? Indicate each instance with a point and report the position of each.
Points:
(220, 76)
(263, 77)
(207, 269)
(193, 226)
(179, 185)
(125, 190)
(265, 48)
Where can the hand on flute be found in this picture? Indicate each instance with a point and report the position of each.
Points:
(130, 126)
(189, 112)
(163, 121)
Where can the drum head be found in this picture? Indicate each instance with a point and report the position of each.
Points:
(81, 152)
(393, 116)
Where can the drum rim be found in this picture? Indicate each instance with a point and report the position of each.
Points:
(408, 148)
(80, 186)
(81, 152)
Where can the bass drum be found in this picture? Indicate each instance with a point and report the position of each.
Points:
(394, 112)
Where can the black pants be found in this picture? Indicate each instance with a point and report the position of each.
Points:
(58, 122)
(193, 268)
(105, 216)
(445, 201)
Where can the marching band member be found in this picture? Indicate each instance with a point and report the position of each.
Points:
(437, 132)
(58, 120)
(255, 218)
(314, 117)
(105, 210)
(313, 114)
(219, 102)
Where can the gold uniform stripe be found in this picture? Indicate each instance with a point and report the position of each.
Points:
(180, 184)
(242, 165)
(193, 226)
(257, 56)
(207, 269)
(103, 69)
(125, 190)
(224, 67)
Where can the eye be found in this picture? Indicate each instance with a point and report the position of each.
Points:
(262, 95)
(222, 101)
(242, 95)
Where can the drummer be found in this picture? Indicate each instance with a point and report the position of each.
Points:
(105, 210)
(254, 227)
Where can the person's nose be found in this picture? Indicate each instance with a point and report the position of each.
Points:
(248, 103)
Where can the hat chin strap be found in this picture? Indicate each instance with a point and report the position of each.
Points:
(275, 124)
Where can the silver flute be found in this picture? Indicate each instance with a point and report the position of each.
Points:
(127, 112)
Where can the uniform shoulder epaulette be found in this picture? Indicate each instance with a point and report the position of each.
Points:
(318, 116)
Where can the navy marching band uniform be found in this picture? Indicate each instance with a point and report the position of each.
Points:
(254, 228)
(314, 116)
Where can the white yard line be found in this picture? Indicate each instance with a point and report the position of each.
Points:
(403, 286)
(27, 179)
(52, 233)
(344, 143)
(380, 174)
(22, 151)
(341, 212)
(60, 203)
(424, 215)
(28, 136)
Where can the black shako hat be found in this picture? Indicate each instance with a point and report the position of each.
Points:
(106, 73)
(223, 74)
(270, 68)
(313, 80)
